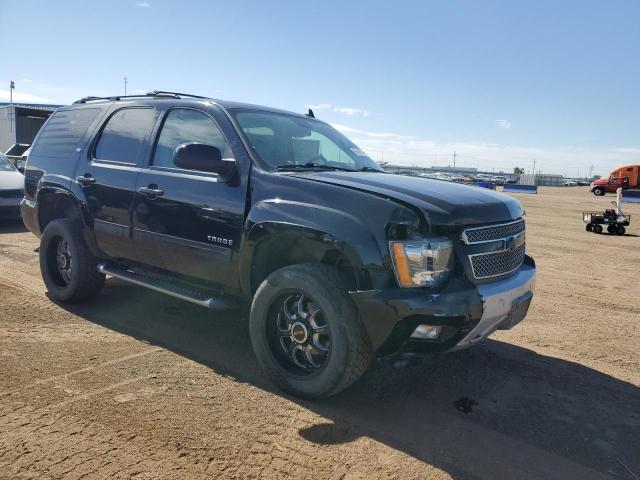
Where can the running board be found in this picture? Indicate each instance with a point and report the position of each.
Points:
(168, 287)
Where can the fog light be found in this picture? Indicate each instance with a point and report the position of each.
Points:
(427, 332)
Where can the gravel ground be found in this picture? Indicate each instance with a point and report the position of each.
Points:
(138, 385)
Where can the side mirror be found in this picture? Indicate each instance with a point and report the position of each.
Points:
(204, 158)
(21, 170)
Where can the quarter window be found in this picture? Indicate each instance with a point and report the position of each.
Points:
(123, 138)
(186, 126)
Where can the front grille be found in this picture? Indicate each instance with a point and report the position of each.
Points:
(487, 265)
(11, 193)
(493, 232)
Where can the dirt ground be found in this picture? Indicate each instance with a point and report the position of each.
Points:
(138, 385)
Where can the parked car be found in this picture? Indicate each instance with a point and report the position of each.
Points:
(11, 190)
(498, 180)
(569, 183)
(219, 203)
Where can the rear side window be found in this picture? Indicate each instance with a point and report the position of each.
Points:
(61, 135)
(186, 126)
(123, 137)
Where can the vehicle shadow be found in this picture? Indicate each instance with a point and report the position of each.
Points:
(11, 226)
(531, 416)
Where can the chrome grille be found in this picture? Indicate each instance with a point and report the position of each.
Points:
(493, 232)
(494, 264)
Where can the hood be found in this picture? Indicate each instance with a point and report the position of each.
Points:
(442, 203)
(12, 180)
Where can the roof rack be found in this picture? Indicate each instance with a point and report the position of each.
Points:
(154, 93)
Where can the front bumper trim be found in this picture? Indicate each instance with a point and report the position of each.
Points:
(501, 300)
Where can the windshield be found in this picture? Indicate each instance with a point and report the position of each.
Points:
(5, 164)
(288, 142)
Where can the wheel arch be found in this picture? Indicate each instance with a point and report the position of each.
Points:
(278, 234)
(55, 202)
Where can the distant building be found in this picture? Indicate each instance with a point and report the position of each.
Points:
(19, 125)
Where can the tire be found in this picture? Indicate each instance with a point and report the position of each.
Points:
(621, 230)
(597, 229)
(612, 229)
(589, 227)
(81, 280)
(598, 191)
(347, 353)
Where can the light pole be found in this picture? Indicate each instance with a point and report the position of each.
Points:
(12, 86)
(125, 86)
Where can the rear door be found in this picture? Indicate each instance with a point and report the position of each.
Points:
(185, 221)
(109, 173)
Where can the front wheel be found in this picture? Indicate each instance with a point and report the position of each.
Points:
(598, 191)
(69, 270)
(306, 332)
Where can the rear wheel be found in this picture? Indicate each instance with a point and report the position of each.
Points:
(598, 191)
(589, 227)
(68, 269)
(597, 228)
(306, 332)
(621, 230)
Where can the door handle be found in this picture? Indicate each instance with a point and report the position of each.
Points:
(152, 191)
(85, 180)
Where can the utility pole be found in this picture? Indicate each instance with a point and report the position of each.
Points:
(125, 86)
(591, 172)
(534, 167)
(454, 159)
(12, 86)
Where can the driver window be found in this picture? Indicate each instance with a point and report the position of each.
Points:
(186, 126)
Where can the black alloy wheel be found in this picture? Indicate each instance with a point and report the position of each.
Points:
(306, 332)
(64, 261)
(300, 337)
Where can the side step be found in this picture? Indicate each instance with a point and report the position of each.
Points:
(199, 297)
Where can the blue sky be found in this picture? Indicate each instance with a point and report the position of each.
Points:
(500, 83)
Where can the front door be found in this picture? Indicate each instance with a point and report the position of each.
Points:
(108, 176)
(185, 221)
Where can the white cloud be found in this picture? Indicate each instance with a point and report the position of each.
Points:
(143, 4)
(504, 124)
(392, 136)
(349, 111)
(568, 160)
(24, 97)
(25, 80)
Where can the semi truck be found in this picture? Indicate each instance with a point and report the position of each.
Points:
(627, 176)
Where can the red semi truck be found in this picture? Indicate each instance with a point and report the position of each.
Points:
(627, 176)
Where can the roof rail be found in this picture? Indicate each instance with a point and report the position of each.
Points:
(154, 93)
(163, 93)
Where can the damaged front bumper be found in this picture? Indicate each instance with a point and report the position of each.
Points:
(466, 313)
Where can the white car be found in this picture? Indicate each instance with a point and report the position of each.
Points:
(11, 190)
(569, 183)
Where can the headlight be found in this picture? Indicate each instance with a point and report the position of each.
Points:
(422, 263)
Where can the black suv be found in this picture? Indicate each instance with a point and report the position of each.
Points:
(217, 202)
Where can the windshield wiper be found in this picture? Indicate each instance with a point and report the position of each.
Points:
(312, 166)
(371, 169)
